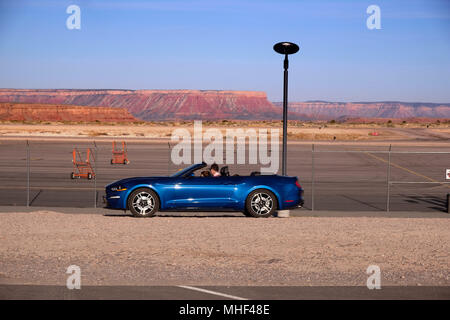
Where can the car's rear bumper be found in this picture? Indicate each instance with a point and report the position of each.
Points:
(294, 201)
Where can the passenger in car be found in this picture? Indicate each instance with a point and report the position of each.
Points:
(215, 170)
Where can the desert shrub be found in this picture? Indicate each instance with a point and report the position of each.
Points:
(96, 133)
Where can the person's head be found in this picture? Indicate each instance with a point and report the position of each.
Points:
(205, 173)
(214, 168)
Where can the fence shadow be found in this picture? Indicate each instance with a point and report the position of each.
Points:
(436, 203)
(365, 203)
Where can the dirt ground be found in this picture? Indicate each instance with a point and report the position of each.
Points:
(37, 248)
(297, 131)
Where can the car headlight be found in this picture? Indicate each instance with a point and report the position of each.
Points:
(118, 188)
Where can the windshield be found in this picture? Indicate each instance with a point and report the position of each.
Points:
(191, 168)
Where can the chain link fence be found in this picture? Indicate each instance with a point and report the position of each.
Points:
(335, 177)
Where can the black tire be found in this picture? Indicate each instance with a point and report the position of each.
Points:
(72, 176)
(89, 176)
(261, 203)
(112, 161)
(144, 209)
(246, 213)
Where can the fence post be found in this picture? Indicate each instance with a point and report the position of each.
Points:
(95, 175)
(168, 160)
(448, 202)
(312, 178)
(28, 174)
(388, 179)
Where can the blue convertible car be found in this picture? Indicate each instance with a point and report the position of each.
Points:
(255, 195)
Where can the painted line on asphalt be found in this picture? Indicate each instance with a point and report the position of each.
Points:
(213, 292)
(52, 188)
(406, 169)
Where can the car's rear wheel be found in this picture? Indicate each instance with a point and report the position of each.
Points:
(261, 203)
(143, 203)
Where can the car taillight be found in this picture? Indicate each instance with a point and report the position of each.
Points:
(298, 184)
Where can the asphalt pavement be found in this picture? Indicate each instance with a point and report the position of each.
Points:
(335, 177)
(238, 293)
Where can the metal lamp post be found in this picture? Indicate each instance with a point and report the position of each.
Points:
(285, 48)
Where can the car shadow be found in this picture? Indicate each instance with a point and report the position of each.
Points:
(200, 216)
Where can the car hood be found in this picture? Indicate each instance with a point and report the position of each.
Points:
(134, 180)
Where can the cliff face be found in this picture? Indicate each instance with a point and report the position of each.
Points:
(217, 105)
(394, 110)
(48, 112)
(159, 104)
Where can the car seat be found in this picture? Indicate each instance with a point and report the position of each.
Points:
(224, 171)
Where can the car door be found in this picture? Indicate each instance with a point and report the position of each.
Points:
(203, 192)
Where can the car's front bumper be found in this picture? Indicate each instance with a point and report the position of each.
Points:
(113, 201)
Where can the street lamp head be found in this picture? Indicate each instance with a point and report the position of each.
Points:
(286, 47)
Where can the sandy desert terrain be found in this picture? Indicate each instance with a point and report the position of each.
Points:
(297, 130)
(37, 247)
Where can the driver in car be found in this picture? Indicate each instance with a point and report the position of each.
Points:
(205, 173)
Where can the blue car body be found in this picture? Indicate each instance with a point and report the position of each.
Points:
(183, 190)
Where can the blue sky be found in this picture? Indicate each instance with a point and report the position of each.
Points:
(227, 45)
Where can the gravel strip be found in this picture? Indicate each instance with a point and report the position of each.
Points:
(37, 247)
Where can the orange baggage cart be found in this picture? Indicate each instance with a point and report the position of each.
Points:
(82, 169)
(119, 156)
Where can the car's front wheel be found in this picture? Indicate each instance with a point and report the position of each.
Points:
(143, 203)
(246, 213)
(261, 203)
